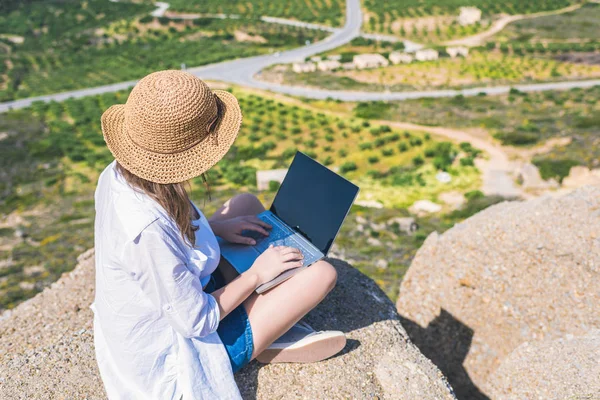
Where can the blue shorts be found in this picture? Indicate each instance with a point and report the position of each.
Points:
(234, 330)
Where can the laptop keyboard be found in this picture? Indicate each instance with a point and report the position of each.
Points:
(280, 235)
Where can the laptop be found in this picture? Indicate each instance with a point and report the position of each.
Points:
(307, 213)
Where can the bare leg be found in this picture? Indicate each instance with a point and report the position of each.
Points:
(272, 313)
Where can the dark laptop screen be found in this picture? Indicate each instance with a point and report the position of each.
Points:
(314, 201)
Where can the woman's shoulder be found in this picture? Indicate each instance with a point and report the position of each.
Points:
(135, 210)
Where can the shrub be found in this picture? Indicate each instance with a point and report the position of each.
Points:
(558, 169)
(402, 147)
(373, 159)
(374, 174)
(441, 163)
(372, 109)
(375, 131)
(475, 205)
(311, 144)
(365, 146)
(517, 138)
(328, 160)
(467, 162)
(387, 152)
(289, 152)
(465, 146)
(392, 138)
(418, 161)
(347, 167)
(415, 141)
(273, 186)
(329, 138)
(474, 194)
(342, 153)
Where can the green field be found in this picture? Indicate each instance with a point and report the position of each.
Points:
(421, 8)
(518, 119)
(330, 12)
(581, 24)
(435, 20)
(74, 44)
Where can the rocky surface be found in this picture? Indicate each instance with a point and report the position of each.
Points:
(529, 177)
(46, 348)
(580, 176)
(516, 272)
(565, 368)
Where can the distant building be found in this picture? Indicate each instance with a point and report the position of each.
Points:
(300, 68)
(363, 61)
(427, 55)
(315, 58)
(334, 57)
(328, 65)
(469, 15)
(348, 65)
(457, 51)
(264, 177)
(400, 58)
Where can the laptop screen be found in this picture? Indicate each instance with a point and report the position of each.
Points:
(314, 201)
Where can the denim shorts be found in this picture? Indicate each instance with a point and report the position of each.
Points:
(234, 330)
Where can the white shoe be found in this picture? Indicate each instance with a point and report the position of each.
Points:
(302, 344)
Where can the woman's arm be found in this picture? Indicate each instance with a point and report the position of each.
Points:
(233, 294)
(266, 267)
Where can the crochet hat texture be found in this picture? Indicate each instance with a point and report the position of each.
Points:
(172, 127)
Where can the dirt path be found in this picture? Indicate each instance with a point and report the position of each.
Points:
(497, 26)
(497, 169)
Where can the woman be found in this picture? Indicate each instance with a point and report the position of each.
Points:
(171, 319)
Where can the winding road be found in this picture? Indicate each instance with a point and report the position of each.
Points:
(243, 71)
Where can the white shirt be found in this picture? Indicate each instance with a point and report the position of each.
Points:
(154, 327)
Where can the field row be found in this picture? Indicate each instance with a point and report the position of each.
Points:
(479, 68)
(128, 49)
(328, 12)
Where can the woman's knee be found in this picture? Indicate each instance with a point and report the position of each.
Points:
(247, 202)
(240, 205)
(324, 275)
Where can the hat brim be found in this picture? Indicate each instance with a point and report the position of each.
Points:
(174, 167)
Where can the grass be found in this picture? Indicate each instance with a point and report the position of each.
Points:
(479, 69)
(115, 42)
(581, 24)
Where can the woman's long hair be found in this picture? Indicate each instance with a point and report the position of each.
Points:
(173, 197)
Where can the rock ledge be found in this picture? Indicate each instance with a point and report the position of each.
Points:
(47, 351)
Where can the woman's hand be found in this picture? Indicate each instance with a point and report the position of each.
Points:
(231, 229)
(275, 260)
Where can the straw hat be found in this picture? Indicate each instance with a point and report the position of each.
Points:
(172, 127)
